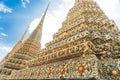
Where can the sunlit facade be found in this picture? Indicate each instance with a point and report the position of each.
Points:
(86, 46)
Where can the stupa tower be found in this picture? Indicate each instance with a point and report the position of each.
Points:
(29, 50)
(20, 42)
(37, 33)
(16, 47)
(5, 71)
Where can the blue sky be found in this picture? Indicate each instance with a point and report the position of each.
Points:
(16, 15)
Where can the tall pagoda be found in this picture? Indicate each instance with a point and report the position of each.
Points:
(5, 70)
(87, 46)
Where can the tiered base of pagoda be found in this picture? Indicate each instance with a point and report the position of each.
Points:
(3, 77)
(85, 66)
(4, 73)
(62, 79)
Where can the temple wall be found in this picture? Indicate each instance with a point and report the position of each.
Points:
(3, 77)
(110, 70)
(81, 67)
(86, 66)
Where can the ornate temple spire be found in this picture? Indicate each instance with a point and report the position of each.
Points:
(16, 47)
(23, 36)
(37, 33)
(19, 43)
(43, 17)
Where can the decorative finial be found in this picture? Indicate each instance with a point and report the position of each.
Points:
(43, 17)
(37, 33)
(22, 38)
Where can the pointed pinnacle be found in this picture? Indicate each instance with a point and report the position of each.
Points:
(43, 17)
(22, 38)
(37, 33)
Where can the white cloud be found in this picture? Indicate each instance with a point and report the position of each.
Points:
(3, 34)
(111, 8)
(33, 24)
(3, 51)
(5, 9)
(24, 2)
